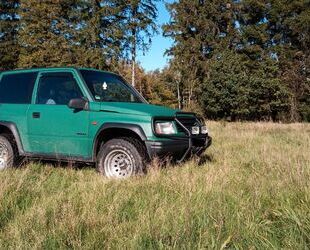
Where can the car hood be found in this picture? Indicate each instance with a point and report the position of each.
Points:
(137, 109)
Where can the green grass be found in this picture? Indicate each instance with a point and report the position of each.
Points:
(252, 193)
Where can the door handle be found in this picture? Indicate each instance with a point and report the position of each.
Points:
(36, 115)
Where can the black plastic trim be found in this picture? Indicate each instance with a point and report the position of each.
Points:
(132, 127)
(58, 157)
(163, 148)
(13, 128)
(175, 118)
(188, 135)
(175, 148)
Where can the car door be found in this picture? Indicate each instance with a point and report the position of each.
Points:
(54, 128)
(16, 89)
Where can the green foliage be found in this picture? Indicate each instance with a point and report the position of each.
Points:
(243, 59)
(226, 92)
(9, 21)
(83, 33)
(198, 29)
(162, 91)
(43, 34)
(157, 87)
(246, 59)
(138, 23)
(238, 91)
(98, 33)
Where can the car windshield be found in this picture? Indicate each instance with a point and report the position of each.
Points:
(107, 87)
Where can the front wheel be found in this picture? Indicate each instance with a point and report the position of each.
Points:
(121, 158)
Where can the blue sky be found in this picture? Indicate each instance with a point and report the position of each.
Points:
(154, 58)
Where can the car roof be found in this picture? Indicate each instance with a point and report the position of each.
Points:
(51, 69)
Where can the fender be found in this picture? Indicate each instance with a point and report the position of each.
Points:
(132, 127)
(13, 128)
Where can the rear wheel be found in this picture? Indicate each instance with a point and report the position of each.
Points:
(8, 154)
(121, 158)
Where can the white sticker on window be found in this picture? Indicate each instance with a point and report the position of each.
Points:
(105, 86)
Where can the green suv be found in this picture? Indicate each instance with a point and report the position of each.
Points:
(87, 115)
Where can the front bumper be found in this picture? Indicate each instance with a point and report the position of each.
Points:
(179, 149)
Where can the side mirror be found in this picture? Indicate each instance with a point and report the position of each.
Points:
(78, 104)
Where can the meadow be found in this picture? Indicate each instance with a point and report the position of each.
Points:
(251, 191)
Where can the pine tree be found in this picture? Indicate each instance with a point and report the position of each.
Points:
(9, 25)
(269, 40)
(98, 33)
(199, 29)
(138, 25)
(44, 34)
(280, 30)
(290, 32)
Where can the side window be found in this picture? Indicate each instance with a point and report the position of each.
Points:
(17, 88)
(57, 89)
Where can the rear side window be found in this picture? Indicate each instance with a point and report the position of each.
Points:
(17, 88)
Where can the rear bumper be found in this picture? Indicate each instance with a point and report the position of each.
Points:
(179, 149)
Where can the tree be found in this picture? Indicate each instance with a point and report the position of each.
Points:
(91, 33)
(280, 30)
(199, 29)
(289, 25)
(98, 33)
(9, 24)
(236, 91)
(156, 86)
(268, 40)
(138, 24)
(161, 88)
(44, 34)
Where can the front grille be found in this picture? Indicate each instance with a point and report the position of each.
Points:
(188, 122)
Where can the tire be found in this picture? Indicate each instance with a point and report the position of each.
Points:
(8, 152)
(121, 158)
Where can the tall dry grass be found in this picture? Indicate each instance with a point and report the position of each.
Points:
(252, 192)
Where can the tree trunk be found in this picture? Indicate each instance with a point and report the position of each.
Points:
(133, 72)
(133, 59)
(179, 95)
(294, 116)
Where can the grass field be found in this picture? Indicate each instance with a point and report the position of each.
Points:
(253, 192)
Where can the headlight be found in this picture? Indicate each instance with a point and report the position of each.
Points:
(195, 130)
(165, 128)
(204, 130)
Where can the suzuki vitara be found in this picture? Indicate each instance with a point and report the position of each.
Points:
(87, 115)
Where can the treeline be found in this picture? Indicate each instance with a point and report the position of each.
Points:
(242, 59)
(235, 59)
(89, 33)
